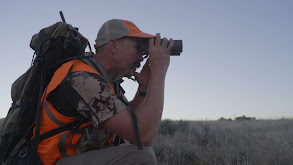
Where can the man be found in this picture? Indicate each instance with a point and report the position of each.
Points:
(97, 96)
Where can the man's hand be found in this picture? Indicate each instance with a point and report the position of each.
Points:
(159, 54)
(143, 78)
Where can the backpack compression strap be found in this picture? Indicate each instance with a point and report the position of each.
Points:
(41, 59)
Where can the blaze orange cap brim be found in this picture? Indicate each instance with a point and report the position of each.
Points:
(134, 31)
(141, 35)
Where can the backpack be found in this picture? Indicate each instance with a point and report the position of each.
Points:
(53, 46)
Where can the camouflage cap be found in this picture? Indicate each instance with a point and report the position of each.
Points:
(117, 28)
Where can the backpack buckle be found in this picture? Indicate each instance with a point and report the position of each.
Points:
(23, 153)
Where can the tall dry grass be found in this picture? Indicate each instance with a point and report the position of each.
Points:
(247, 142)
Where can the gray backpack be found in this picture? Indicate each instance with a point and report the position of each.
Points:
(53, 46)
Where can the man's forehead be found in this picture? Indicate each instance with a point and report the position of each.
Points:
(137, 40)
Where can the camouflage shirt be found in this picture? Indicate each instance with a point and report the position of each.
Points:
(90, 95)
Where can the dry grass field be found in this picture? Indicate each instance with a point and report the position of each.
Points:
(237, 142)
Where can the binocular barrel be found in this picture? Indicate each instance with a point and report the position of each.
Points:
(176, 50)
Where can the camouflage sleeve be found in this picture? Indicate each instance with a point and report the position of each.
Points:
(97, 103)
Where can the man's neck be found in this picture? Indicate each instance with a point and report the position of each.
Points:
(106, 65)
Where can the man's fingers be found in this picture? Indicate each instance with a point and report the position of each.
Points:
(158, 38)
(151, 41)
(165, 42)
(171, 44)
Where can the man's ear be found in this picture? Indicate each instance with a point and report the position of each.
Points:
(112, 44)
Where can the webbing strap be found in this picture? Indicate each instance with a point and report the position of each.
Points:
(61, 144)
(135, 127)
(97, 66)
(62, 141)
(69, 71)
(51, 116)
(60, 129)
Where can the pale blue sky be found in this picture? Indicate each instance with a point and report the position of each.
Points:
(237, 56)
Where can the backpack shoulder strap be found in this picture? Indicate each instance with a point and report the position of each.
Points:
(96, 65)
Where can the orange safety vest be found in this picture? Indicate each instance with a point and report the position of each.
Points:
(62, 144)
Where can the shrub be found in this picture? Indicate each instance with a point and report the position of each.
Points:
(224, 119)
(244, 118)
(223, 142)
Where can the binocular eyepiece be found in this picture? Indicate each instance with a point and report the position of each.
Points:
(176, 50)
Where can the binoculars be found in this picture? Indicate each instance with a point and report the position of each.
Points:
(176, 50)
